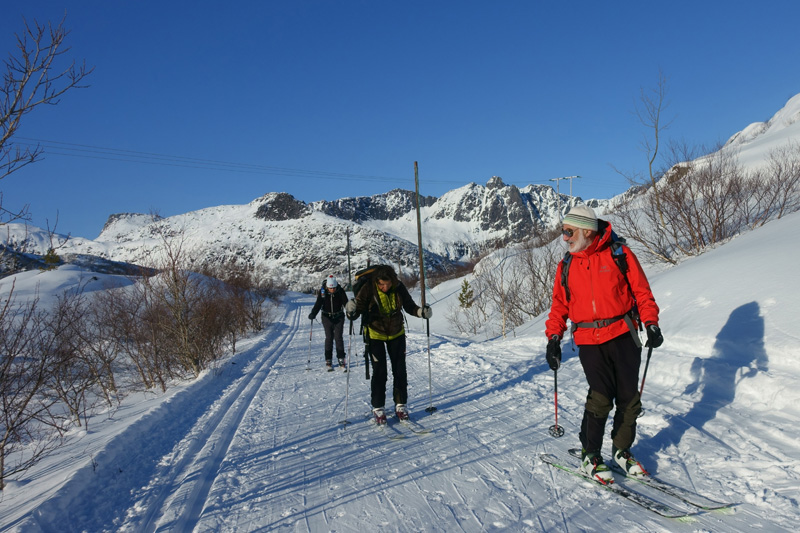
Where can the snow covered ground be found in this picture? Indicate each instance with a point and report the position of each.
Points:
(258, 443)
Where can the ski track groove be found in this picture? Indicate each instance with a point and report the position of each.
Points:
(476, 447)
(557, 496)
(224, 423)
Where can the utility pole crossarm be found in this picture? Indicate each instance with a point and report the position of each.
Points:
(558, 181)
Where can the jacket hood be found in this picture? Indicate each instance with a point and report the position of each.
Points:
(601, 241)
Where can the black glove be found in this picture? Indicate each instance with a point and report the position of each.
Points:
(654, 337)
(312, 316)
(554, 352)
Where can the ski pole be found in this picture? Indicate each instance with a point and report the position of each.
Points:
(430, 408)
(646, 364)
(556, 430)
(310, 329)
(347, 367)
(365, 335)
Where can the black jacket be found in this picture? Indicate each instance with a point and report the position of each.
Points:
(332, 305)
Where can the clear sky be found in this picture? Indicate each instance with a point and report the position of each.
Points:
(197, 104)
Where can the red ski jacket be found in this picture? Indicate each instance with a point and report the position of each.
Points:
(598, 291)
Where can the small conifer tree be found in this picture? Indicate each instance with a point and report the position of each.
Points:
(51, 260)
(466, 295)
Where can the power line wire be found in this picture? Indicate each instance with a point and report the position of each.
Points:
(132, 156)
(87, 151)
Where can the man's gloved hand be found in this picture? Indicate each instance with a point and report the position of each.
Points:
(312, 316)
(554, 352)
(654, 337)
(425, 312)
(350, 310)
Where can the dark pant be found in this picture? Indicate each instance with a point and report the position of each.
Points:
(612, 370)
(333, 331)
(396, 349)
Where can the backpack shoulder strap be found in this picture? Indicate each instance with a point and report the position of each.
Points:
(618, 254)
(565, 272)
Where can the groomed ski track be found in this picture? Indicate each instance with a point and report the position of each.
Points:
(258, 444)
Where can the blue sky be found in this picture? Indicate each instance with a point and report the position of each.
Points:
(198, 104)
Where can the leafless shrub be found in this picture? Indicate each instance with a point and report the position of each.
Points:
(31, 425)
(500, 279)
(538, 262)
(64, 338)
(781, 184)
(708, 201)
(103, 345)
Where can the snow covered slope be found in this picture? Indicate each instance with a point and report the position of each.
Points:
(258, 444)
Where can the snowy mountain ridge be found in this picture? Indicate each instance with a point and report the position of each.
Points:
(298, 243)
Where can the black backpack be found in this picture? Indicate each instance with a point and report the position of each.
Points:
(363, 276)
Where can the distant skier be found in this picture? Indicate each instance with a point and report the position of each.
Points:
(331, 299)
(607, 299)
(381, 300)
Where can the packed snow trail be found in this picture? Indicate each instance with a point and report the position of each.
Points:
(258, 445)
(181, 493)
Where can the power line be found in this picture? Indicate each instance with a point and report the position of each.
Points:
(86, 151)
(132, 156)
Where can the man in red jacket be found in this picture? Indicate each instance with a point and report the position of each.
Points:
(606, 307)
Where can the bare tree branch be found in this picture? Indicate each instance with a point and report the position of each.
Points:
(33, 76)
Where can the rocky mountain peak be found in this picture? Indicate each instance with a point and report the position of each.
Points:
(281, 206)
(495, 182)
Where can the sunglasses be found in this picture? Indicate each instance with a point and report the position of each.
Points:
(567, 232)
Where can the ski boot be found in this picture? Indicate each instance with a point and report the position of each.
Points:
(401, 412)
(626, 461)
(593, 466)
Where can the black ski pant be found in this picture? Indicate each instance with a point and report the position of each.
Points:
(333, 332)
(612, 370)
(396, 349)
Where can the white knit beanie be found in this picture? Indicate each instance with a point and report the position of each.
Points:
(332, 283)
(581, 216)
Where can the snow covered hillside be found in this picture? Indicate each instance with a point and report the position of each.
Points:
(258, 443)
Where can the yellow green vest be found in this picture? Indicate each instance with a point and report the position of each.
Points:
(387, 305)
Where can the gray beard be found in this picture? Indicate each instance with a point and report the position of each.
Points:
(580, 244)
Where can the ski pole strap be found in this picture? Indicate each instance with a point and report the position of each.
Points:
(627, 317)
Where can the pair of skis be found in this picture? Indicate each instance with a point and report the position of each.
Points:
(697, 501)
(393, 432)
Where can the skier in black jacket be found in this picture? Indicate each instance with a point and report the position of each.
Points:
(331, 299)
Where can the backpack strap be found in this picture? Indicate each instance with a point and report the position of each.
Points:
(565, 272)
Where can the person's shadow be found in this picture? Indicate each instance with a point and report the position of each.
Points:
(738, 353)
